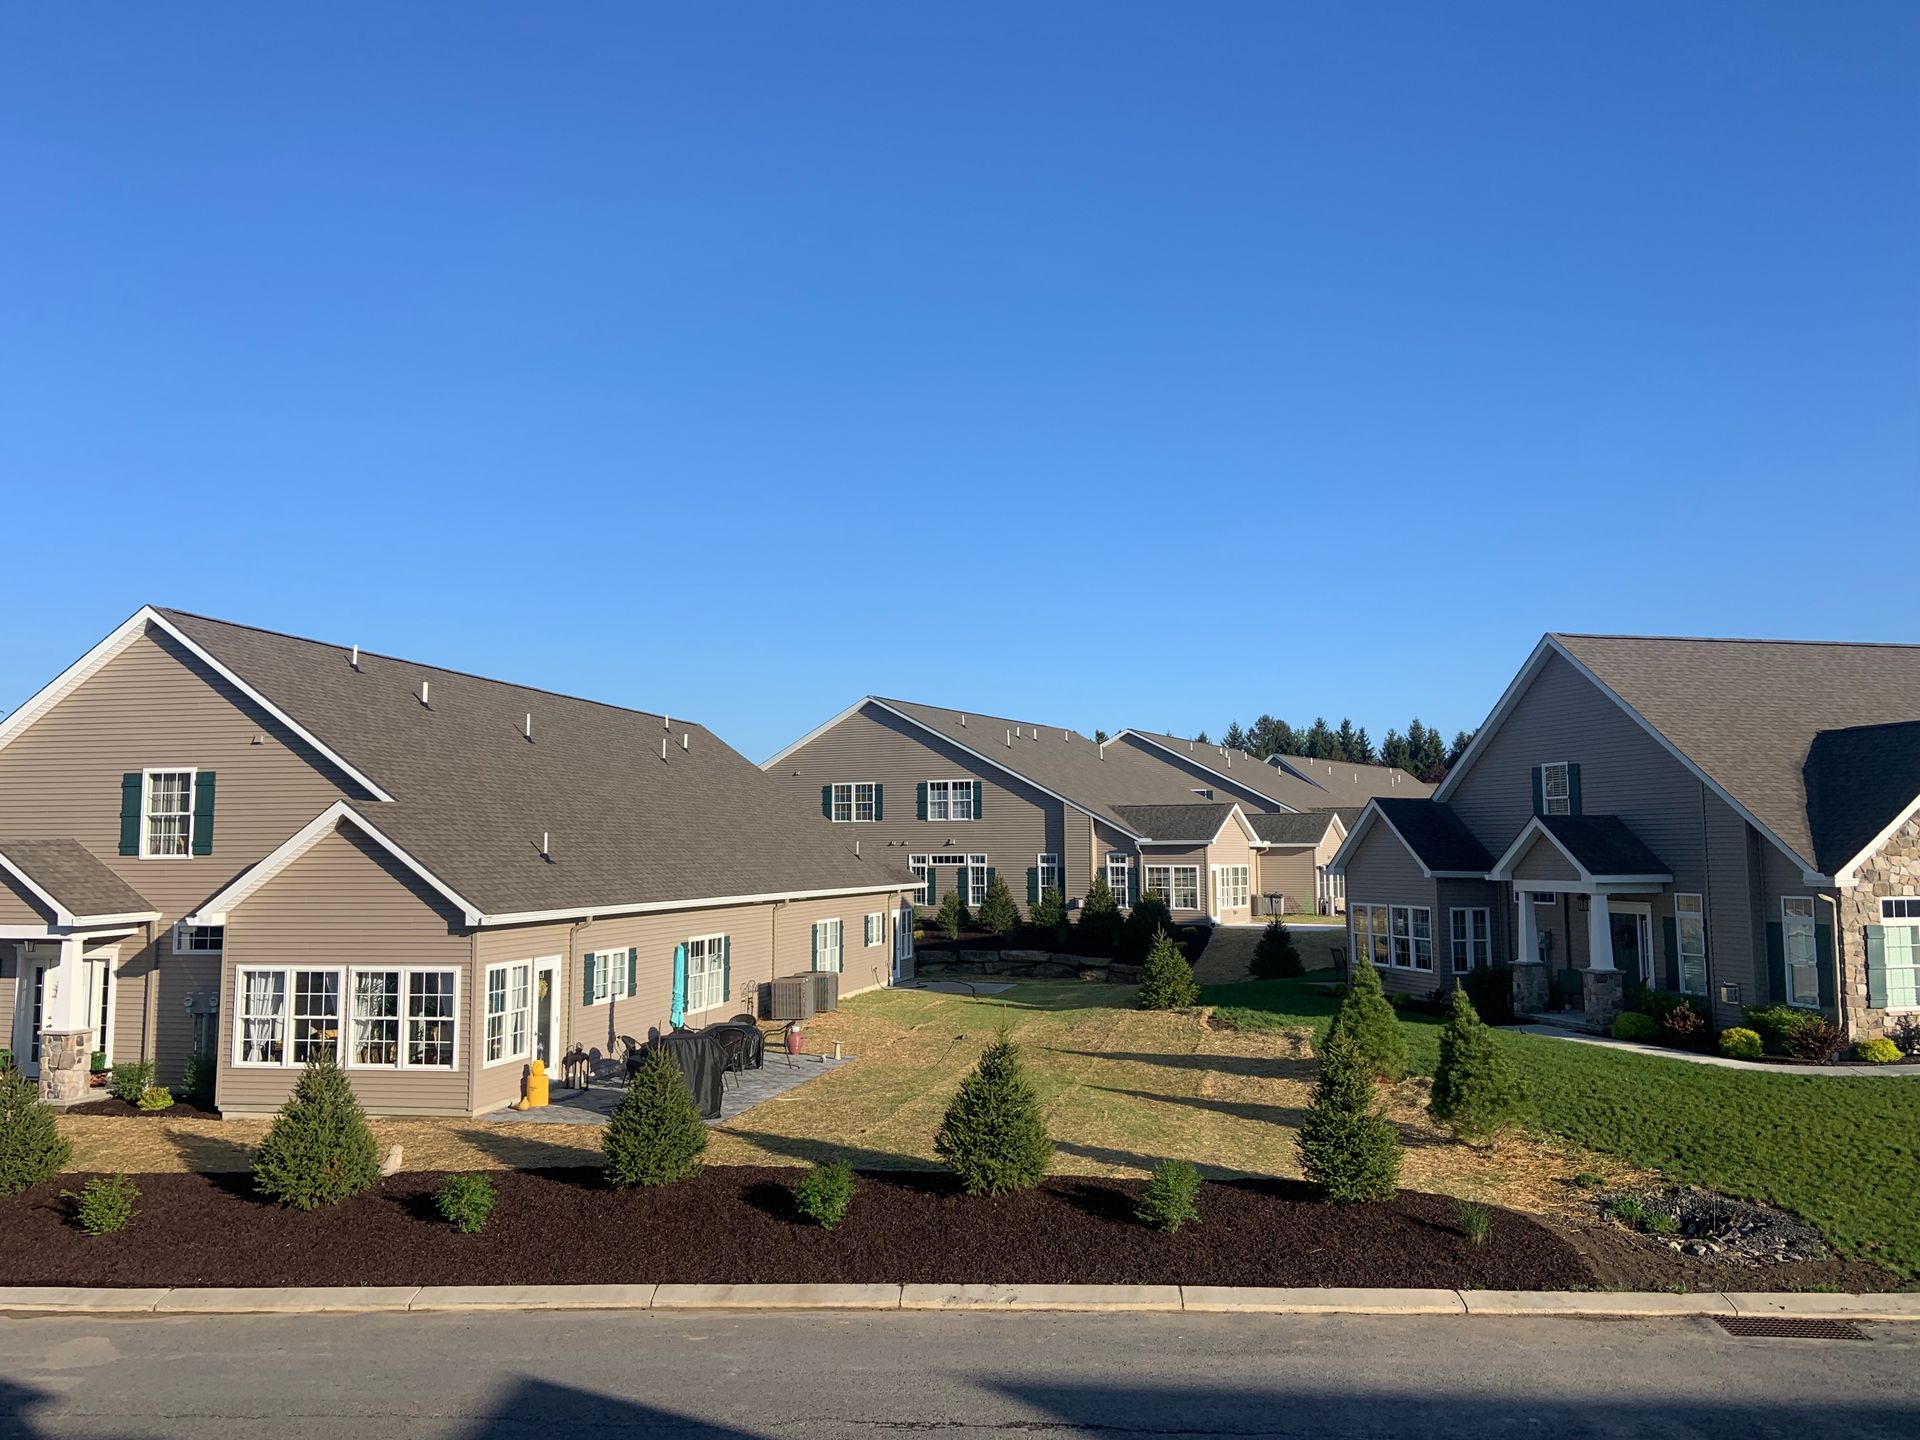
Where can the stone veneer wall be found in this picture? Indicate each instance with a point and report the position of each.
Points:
(1893, 870)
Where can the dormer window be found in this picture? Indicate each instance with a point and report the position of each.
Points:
(1556, 789)
(1204, 794)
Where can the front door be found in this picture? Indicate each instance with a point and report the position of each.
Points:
(546, 1013)
(1630, 945)
(28, 1016)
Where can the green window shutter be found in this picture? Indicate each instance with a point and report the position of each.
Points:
(920, 800)
(879, 797)
(979, 793)
(586, 973)
(1823, 962)
(990, 874)
(1033, 885)
(826, 801)
(1539, 792)
(1877, 967)
(813, 940)
(1573, 789)
(1670, 931)
(929, 882)
(633, 973)
(131, 785)
(1776, 962)
(203, 813)
(726, 968)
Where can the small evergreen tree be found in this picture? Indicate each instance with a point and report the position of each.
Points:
(1347, 1148)
(1166, 979)
(1276, 957)
(1147, 919)
(1098, 930)
(952, 914)
(998, 913)
(1367, 1017)
(319, 1149)
(1476, 1090)
(1167, 1202)
(1050, 916)
(993, 1136)
(655, 1136)
(31, 1149)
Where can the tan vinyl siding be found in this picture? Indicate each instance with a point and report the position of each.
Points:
(1196, 856)
(1543, 862)
(1230, 847)
(1288, 872)
(18, 905)
(345, 903)
(1018, 822)
(9, 988)
(1381, 871)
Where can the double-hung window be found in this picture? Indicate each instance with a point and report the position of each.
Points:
(509, 1011)
(1049, 873)
(376, 1018)
(1798, 937)
(1556, 789)
(1117, 872)
(827, 950)
(1178, 885)
(950, 800)
(1368, 927)
(609, 975)
(875, 932)
(262, 1024)
(976, 880)
(1412, 934)
(430, 1018)
(1894, 982)
(1690, 939)
(1230, 886)
(316, 1015)
(918, 864)
(368, 1019)
(1472, 938)
(706, 972)
(166, 829)
(855, 802)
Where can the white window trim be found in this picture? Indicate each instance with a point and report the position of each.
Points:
(1545, 897)
(921, 865)
(949, 786)
(508, 1055)
(1119, 870)
(146, 809)
(343, 1049)
(1173, 874)
(1045, 863)
(853, 789)
(821, 929)
(1786, 953)
(714, 947)
(976, 881)
(182, 931)
(1412, 964)
(1887, 902)
(1360, 915)
(874, 935)
(287, 1017)
(603, 974)
(1565, 767)
(1681, 914)
(1484, 941)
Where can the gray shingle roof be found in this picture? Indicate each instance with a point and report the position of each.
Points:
(1307, 827)
(1438, 837)
(1858, 782)
(1604, 845)
(472, 794)
(1177, 824)
(1747, 712)
(69, 872)
(1293, 779)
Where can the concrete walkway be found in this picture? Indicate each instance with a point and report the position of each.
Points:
(744, 1090)
(1694, 1057)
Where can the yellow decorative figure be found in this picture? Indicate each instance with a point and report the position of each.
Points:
(537, 1084)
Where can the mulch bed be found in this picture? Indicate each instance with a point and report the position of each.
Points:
(109, 1106)
(736, 1225)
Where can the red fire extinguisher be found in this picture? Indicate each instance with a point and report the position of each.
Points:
(796, 1041)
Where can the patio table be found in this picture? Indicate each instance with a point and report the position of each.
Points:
(750, 1035)
(703, 1063)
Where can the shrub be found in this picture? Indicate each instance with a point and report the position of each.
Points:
(105, 1204)
(1276, 957)
(1098, 929)
(1635, 1025)
(1683, 1025)
(1658, 1222)
(1877, 1051)
(1819, 1040)
(1168, 1201)
(97, 1063)
(197, 1080)
(130, 1079)
(655, 1136)
(993, 1136)
(1166, 980)
(1628, 1211)
(1049, 919)
(31, 1149)
(1490, 988)
(1783, 1030)
(465, 1202)
(998, 914)
(6, 1059)
(1586, 1180)
(1476, 1090)
(1347, 1148)
(951, 917)
(1476, 1221)
(825, 1194)
(1367, 1017)
(1740, 1043)
(1148, 917)
(319, 1150)
(154, 1099)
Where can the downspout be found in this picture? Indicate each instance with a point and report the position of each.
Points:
(1839, 970)
(150, 1000)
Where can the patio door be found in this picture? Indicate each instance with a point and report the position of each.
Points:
(28, 1014)
(546, 1012)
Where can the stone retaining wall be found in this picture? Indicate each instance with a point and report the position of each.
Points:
(1020, 965)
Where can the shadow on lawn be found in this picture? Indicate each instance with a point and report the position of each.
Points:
(809, 1151)
(1253, 1067)
(521, 1151)
(1287, 1115)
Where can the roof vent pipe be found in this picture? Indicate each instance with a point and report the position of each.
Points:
(663, 747)
(426, 693)
(666, 722)
(543, 845)
(963, 719)
(686, 740)
(529, 725)
(1009, 739)
(354, 658)
(856, 849)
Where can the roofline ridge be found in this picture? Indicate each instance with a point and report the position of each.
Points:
(1734, 640)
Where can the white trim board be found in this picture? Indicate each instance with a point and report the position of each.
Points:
(1338, 864)
(1534, 829)
(67, 918)
(131, 629)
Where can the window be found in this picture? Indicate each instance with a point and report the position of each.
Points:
(263, 1010)
(1204, 794)
(509, 1011)
(1117, 868)
(1803, 969)
(858, 802)
(376, 1018)
(826, 945)
(198, 939)
(1179, 885)
(609, 974)
(976, 880)
(1900, 907)
(1412, 935)
(1472, 936)
(316, 1015)
(430, 1012)
(1367, 924)
(876, 929)
(1049, 867)
(1556, 789)
(1690, 938)
(166, 829)
(286, 1017)
(1893, 973)
(706, 972)
(1230, 886)
(918, 864)
(950, 800)
(1545, 897)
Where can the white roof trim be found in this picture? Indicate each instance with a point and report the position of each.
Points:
(64, 917)
(215, 911)
(1848, 874)
(1373, 812)
(648, 907)
(1533, 830)
(1226, 775)
(814, 734)
(113, 930)
(124, 635)
(1550, 646)
(1254, 842)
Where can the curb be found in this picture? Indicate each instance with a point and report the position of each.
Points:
(1107, 1299)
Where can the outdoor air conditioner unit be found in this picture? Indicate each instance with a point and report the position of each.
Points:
(826, 990)
(791, 998)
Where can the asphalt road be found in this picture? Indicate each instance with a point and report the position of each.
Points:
(835, 1374)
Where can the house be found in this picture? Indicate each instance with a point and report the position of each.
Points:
(1738, 820)
(1293, 874)
(221, 840)
(961, 797)
(1280, 782)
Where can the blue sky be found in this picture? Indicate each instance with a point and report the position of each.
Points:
(1101, 364)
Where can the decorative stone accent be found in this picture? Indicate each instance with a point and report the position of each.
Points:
(65, 1057)
(1530, 988)
(1893, 869)
(1605, 996)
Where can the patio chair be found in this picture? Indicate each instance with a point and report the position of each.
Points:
(633, 1055)
(734, 1045)
(776, 1040)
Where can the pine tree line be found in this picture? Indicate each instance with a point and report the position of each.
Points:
(1421, 751)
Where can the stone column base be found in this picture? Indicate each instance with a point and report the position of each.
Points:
(1530, 988)
(1604, 993)
(66, 1058)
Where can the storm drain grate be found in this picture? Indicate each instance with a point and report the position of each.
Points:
(1773, 1327)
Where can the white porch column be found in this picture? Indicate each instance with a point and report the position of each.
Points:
(1599, 935)
(1529, 931)
(66, 1029)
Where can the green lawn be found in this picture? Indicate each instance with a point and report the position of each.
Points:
(1843, 1152)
